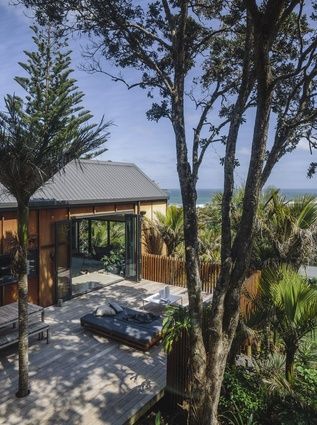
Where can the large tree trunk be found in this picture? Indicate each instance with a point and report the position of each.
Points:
(236, 256)
(197, 352)
(21, 269)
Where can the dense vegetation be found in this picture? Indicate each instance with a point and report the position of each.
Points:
(286, 232)
(278, 385)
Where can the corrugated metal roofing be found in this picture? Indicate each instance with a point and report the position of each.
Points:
(92, 181)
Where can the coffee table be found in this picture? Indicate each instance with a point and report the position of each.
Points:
(157, 299)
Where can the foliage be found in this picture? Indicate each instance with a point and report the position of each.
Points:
(288, 304)
(170, 227)
(40, 134)
(306, 385)
(115, 260)
(286, 231)
(265, 397)
(242, 397)
(152, 239)
(176, 321)
(100, 233)
(288, 404)
(210, 224)
(307, 352)
(235, 417)
(158, 419)
(209, 245)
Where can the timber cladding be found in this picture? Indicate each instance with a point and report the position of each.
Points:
(42, 241)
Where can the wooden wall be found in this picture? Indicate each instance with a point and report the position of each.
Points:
(8, 237)
(42, 237)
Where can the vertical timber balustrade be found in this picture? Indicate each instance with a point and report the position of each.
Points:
(177, 360)
(169, 270)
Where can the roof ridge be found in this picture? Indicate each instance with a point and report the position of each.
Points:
(103, 162)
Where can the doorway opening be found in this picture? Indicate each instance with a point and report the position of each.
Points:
(93, 251)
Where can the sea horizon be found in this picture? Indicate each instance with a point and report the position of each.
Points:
(204, 196)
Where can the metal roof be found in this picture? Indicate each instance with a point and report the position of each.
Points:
(90, 182)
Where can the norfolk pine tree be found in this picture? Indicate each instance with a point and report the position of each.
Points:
(39, 135)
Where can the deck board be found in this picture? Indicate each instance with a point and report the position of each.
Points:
(80, 378)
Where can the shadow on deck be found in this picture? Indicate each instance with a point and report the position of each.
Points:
(80, 378)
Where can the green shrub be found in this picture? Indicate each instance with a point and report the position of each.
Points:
(242, 392)
(248, 399)
(306, 386)
(115, 261)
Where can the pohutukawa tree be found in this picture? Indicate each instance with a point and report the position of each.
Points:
(39, 135)
(225, 57)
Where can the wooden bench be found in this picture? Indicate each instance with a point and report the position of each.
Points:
(12, 336)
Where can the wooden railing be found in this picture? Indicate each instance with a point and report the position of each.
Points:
(171, 271)
(178, 364)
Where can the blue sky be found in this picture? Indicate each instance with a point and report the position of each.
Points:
(133, 137)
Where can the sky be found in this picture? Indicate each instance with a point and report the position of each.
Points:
(133, 138)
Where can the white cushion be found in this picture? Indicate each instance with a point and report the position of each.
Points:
(105, 310)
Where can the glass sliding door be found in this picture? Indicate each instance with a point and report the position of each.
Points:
(63, 260)
(132, 247)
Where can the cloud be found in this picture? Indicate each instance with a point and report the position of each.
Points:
(303, 145)
(244, 151)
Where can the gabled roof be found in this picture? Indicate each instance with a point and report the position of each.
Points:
(91, 182)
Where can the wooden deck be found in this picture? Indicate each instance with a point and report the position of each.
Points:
(80, 378)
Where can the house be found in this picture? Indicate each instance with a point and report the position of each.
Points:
(66, 216)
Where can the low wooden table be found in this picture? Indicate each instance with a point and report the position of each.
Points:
(157, 299)
(9, 313)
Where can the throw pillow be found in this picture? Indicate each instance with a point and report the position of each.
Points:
(117, 307)
(105, 310)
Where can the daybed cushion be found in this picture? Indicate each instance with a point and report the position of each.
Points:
(104, 310)
(124, 328)
(117, 307)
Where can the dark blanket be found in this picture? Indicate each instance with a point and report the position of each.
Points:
(140, 317)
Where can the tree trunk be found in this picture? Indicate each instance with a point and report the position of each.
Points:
(197, 354)
(290, 362)
(21, 269)
(236, 257)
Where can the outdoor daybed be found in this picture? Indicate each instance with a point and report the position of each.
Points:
(131, 327)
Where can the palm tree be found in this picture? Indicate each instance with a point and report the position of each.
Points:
(39, 135)
(152, 239)
(209, 245)
(286, 230)
(288, 303)
(170, 227)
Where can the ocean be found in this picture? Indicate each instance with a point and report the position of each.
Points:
(204, 195)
